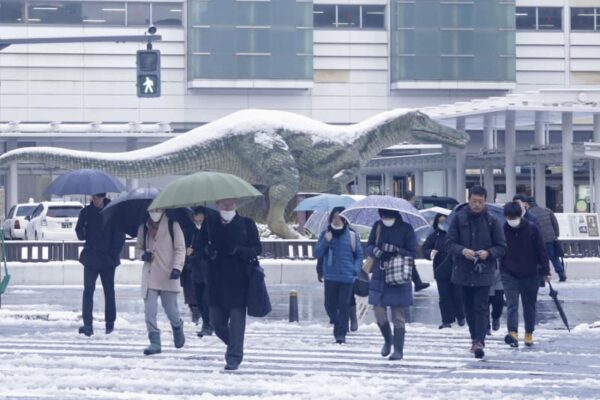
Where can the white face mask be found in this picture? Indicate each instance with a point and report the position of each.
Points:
(227, 215)
(513, 223)
(155, 215)
(337, 227)
(198, 226)
(388, 221)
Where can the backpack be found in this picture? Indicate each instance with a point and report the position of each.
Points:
(171, 222)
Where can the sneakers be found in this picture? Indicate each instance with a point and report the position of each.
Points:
(528, 339)
(478, 350)
(442, 326)
(86, 330)
(512, 339)
(496, 324)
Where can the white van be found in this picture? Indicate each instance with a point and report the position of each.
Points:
(54, 220)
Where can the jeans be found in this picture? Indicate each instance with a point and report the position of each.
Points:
(527, 288)
(169, 304)
(337, 305)
(230, 327)
(107, 277)
(201, 291)
(451, 302)
(554, 258)
(476, 307)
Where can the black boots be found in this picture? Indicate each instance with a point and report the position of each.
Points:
(353, 319)
(386, 332)
(86, 330)
(398, 353)
(416, 278)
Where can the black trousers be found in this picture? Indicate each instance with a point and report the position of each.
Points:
(107, 277)
(476, 307)
(230, 327)
(451, 301)
(497, 303)
(337, 305)
(201, 291)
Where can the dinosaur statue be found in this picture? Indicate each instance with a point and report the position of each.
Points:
(282, 151)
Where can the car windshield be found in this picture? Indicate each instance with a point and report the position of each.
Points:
(63, 211)
(24, 211)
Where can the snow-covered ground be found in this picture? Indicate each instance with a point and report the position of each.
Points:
(42, 357)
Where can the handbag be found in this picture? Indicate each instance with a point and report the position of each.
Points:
(259, 303)
(361, 284)
(370, 261)
(398, 270)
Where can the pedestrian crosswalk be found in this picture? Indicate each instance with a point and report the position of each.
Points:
(289, 361)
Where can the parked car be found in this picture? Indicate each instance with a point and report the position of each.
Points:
(54, 220)
(423, 202)
(16, 222)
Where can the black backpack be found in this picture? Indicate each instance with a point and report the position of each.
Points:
(171, 222)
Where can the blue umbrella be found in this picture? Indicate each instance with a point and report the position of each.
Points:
(84, 181)
(364, 212)
(495, 210)
(324, 202)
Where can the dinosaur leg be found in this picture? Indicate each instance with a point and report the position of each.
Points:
(279, 197)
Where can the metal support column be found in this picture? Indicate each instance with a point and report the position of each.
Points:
(568, 177)
(461, 157)
(488, 144)
(539, 190)
(510, 145)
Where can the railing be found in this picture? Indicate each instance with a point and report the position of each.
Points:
(38, 251)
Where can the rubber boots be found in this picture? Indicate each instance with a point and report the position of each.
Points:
(353, 319)
(178, 336)
(398, 353)
(386, 332)
(154, 347)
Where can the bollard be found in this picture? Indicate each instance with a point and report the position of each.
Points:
(294, 306)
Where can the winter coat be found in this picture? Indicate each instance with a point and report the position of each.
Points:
(168, 254)
(547, 223)
(497, 285)
(103, 244)
(402, 235)
(236, 244)
(476, 232)
(442, 262)
(526, 255)
(198, 260)
(339, 262)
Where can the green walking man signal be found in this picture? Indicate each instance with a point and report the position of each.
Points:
(148, 73)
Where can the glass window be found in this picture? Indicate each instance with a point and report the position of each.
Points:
(138, 14)
(373, 17)
(324, 16)
(526, 17)
(549, 18)
(103, 13)
(582, 19)
(348, 17)
(167, 14)
(24, 211)
(37, 211)
(11, 212)
(54, 13)
(63, 211)
(11, 12)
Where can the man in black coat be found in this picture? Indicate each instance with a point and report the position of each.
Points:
(476, 241)
(101, 255)
(232, 243)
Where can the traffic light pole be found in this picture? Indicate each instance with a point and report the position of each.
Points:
(4, 43)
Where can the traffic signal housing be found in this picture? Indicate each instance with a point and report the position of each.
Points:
(148, 73)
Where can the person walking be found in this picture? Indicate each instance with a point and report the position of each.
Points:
(434, 248)
(521, 276)
(475, 241)
(101, 255)
(199, 262)
(390, 237)
(550, 233)
(496, 302)
(232, 244)
(187, 278)
(341, 253)
(416, 278)
(161, 245)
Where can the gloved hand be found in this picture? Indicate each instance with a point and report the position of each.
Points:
(320, 277)
(377, 252)
(175, 274)
(390, 248)
(211, 251)
(147, 256)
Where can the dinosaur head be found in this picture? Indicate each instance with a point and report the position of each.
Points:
(425, 129)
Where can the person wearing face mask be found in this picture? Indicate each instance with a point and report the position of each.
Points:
(341, 253)
(434, 248)
(390, 237)
(100, 257)
(161, 245)
(231, 246)
(521, 276)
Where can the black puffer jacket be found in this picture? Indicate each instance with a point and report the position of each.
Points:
(476, 232)
(103, 244)
(442, 262)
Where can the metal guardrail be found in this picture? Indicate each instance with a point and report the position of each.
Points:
(38, 251)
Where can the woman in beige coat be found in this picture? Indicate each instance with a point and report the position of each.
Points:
(161, 245)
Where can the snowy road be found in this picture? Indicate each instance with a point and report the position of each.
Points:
(42, 357)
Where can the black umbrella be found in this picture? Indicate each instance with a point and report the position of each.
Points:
(129, 211)
(84, 181)
(554, 294)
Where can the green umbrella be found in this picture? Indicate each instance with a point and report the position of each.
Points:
(202, 187)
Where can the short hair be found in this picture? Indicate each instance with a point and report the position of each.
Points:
(478, 191)
(531, 200)
(512, 209)
(199, 210)
(100, 194)
(386, 213)
(520, 197)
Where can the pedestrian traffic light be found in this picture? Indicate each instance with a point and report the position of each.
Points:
(148, 73)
